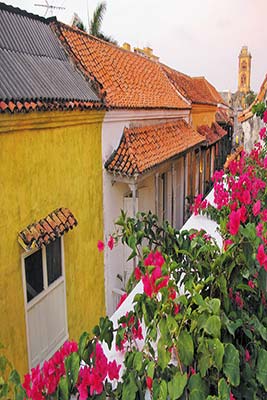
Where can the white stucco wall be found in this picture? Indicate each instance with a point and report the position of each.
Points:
(251, 129)
(114, 192)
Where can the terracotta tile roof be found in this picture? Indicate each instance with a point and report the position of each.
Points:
(247, 114)
(128, 79)
(196, 90)
(47, 229)
(143, 148)
(234, 156)
(223, 116)
(35, 71)
(212, 134)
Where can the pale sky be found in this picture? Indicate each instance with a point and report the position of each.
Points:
(197, 37)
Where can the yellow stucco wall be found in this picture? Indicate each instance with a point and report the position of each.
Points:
(203, 114)
(49, 160)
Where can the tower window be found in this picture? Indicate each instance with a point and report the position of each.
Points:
(244, 66)
(243, 80)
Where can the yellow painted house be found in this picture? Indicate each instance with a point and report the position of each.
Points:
(52, 276)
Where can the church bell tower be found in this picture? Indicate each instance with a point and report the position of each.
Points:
(244, 70)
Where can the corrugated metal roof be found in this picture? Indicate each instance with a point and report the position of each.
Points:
(33, 65)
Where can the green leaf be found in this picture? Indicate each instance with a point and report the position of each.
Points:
(129, 387)
(138, 361)
(213, 326)
(217, 349)
(261, 371)
(171, 324)
(232, 326)
(3, 363)
(215, 305)
(82, 342)
(197, 388)
(150, 369)
(4, 390)
(164, 355)
(14, 377)
(63, 389)
(72, 366)
(231, 364)
(19, 393)
(176, 386)
(163, 391)
(224, 390)
(185, 348)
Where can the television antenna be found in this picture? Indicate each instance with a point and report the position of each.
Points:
(49, 7)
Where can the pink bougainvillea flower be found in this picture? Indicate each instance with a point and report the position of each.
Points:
(227, 243)
(259, 230)
(264, 215)
(265, 117)
(137, 273)
(154, 259)
(113, 370)
(100, 245)
(251, 284)
(176, 308)
(261, 256)
(192, 370)
(149, 382)
(256, 208)
(191, 237)
(262, 133)
(238, 300)
(234, 222)
(111, 242)
(123, 297)
(172, 293)
(148, 289)
(243, 214)
(246, 198)
(247, 356)
(232, 396)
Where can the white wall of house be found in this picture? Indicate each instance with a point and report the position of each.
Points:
(115, 192)
(251, 128)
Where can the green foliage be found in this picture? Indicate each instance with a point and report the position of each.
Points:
(250, 97)
(96, 23)
(10, 387)
(211, 335)
(259, 109)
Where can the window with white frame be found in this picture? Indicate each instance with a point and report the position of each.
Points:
(42, 268)
(45, 301)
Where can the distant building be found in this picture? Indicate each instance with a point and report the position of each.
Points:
(244, 70)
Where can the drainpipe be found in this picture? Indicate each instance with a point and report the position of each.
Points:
(185, 185)
(157, 194)
(133, 188)
(173, 198)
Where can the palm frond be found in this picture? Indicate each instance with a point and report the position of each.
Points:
(96, 21)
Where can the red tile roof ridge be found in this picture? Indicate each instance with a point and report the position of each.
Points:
(97, 39)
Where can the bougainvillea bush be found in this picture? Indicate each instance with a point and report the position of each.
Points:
(198, 330)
